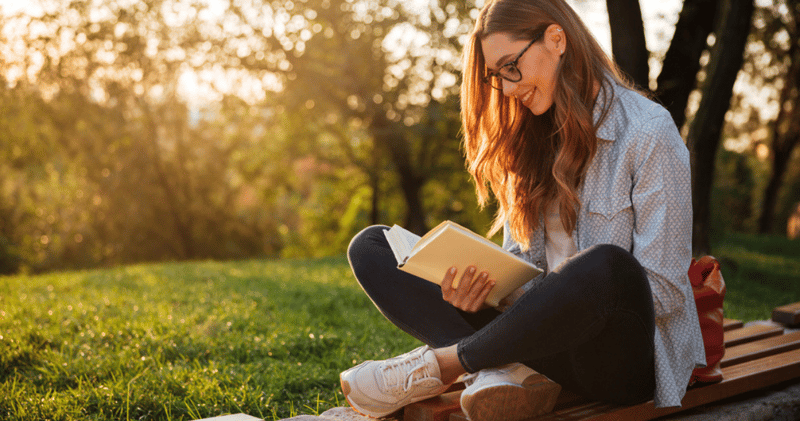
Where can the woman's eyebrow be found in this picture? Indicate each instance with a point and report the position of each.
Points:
(503, 60)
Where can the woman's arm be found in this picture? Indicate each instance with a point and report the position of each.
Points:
(662, 204)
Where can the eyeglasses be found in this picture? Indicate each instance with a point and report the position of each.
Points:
(509, 71)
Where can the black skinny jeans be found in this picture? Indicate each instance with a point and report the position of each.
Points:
(588, 325)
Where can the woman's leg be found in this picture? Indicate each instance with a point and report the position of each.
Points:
(587, 325)
(409, 302)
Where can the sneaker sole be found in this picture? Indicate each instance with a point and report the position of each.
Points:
(510, 402)
(361, 411)
(375, 415)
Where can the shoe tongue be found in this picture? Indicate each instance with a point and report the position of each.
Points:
(425, 365)
(431, 364)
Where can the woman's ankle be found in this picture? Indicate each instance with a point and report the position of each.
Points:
(449, 365)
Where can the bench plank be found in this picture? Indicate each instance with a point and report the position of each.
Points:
(750, 333)
(760, 349)
(437, 408)
(730, 324)
(737, 379)
(788, 315)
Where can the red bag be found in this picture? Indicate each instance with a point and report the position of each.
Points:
(709, 291)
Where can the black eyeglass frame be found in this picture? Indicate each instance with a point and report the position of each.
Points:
(511, 65)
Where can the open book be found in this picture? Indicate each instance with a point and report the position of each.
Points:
(450, 244)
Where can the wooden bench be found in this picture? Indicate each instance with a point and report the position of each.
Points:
(756, 357)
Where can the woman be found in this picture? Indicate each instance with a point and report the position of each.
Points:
(593, 186)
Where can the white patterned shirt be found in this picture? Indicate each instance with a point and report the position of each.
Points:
(637, 195)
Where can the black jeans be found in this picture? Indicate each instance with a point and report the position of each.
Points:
(588, 325)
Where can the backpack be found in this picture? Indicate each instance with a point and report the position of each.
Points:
(709, 291)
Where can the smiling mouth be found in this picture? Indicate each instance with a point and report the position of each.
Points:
(525, 98)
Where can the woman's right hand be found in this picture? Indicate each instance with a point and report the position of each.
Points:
(468, 296)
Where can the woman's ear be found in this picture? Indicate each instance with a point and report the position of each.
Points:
(555, 39)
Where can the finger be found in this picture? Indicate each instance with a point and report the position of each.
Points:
(479, 291)
(466, 281)
(485, 292)
(477, 286)
(447, 281)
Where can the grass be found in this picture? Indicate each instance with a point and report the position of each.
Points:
(760, 272)
(267, 338)
(185, 341)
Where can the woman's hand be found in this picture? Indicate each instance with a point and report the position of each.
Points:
(469, 296)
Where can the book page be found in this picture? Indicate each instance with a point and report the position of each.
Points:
(450, 225)
(401, 241)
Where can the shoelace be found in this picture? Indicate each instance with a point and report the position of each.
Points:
(396, 373)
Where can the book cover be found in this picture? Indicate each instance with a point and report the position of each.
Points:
(450, 244)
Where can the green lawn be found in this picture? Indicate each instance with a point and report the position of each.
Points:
(760, 272)
(267, 338)
(185, 341)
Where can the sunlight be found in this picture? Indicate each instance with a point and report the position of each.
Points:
(205, 86)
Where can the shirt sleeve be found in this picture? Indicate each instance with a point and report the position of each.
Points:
(662, 204)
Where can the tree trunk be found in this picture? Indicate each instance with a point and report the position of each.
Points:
(678, 76)
(704, 134)
(785, 132)
(780, 163)
(375, 185)
(389, 136)
(627, 40)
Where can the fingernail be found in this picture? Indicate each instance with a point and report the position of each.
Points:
(453, 270)
(471, 269)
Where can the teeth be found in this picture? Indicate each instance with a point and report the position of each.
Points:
(526, 97)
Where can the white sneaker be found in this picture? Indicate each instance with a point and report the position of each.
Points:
(379, 388)
(509, 393)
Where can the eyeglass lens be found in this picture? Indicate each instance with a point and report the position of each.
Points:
(509, 72)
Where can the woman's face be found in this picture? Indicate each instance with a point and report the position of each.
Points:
(537, 65)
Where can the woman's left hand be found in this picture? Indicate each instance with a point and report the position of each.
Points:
(469, 295)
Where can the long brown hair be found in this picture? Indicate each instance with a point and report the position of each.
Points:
(533, 162)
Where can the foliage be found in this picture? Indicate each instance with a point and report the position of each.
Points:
(733, 191)
(323, 128)
(766, 115)
(160, 130)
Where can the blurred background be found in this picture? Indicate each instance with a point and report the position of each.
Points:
(155, 130)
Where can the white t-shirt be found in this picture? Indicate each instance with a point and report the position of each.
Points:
(558, 245)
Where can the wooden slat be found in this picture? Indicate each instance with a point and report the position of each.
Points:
(730, 324)
(760, 349)
(737, 379)
(750, 333)
(437, 408)
(788, 315)
(566, 399)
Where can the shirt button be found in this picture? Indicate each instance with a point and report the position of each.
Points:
(538, 263)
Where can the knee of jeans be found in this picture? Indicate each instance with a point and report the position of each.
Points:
(620, 274)
(617, 261)
(363, 238)
(612, 254)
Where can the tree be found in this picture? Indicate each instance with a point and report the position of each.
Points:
(785, 132)
(339, 61)
(628, 45)
(678, 79)
(135, 173)
(704, 133)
